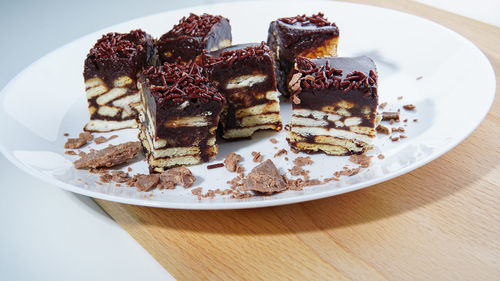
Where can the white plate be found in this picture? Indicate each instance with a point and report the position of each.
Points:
(458, 86)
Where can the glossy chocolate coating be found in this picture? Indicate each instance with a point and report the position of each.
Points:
(108, 61)
(187, 46)
(287, 41)
(315, 98)
(236, 61)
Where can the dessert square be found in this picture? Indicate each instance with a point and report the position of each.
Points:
(304, 36)
(179, 117)
(245, 76)
(110, 74)
(192, 35)
(334, 102)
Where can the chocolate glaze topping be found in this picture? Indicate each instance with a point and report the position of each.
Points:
(229, 55)
(194, 25)
(117, 54)
(318, 20)
(178, 82)
(338, 73)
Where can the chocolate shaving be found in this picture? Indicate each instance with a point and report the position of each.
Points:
(147, 182)
(264, 178)
(386, 116)
(231, 161)
(273, 140)
(74, 143)
(382, 105)
(69, 152)
(280, 152)
(257, 157)
(180, 176)
(214, 166)
(380, 156)
(399, 129)
(362, 160)
(382, 130)
(108, 157)
(302, 161)
(394, 138)
(409, 106)
(347, 172)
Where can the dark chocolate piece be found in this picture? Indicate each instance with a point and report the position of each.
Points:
(245, 76)
(192, 35)
(297, 36)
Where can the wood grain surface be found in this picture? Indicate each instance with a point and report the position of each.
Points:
(439, 222)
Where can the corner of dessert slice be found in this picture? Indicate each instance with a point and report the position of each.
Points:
(245, 76)
(193, 35)
(305, 36)
(110, 74)
(334, 105)
(179, 116)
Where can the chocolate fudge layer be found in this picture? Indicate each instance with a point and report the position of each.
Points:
(110, 74)
(179, 117)
(245, 76)
(304, 36)
(192, 35)
(334, 105)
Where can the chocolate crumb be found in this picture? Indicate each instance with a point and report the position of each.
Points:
(415, 120)
(73, 143)
(326, 180)
(105, 178)
(380, 156)
(409, 106)
(100, 140)
(86, 136)
(231, 161)
(296, 170)
(406, 120)
(382, 130)
(294, 150)
(403, 136)
(347, 172)
(66, 134)
(99, 183)
(420, 77)
(129, 169)
(400, 97)
(109, 156)
(257, 157)
(214, 166)
(361, 159)
(180, 176)
(197, 192)
(302, 161)
(117, 185)
(69, 152)
(86, 183)
(264, 178)
(119, 176)
(399, 129)
(165, 185)
(382, 105)
(394, 138)
(147, 182)
(286, 158)
(386, 116)
(280, 152)
(273, 140)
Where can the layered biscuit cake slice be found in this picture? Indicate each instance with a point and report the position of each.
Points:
(110, 74)
(306, 36)
(193, 35)
(334, 102)
(179, 117)
(245, 76)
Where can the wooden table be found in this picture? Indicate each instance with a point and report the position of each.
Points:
(439, 222)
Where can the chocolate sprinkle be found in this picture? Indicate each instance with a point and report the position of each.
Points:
(178, 83)
(195, 25)
(318, 20)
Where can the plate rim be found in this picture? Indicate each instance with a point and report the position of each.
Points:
(237, 204)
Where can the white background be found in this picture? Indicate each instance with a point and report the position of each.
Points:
(49, 234)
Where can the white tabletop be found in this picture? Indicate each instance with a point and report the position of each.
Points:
(50, 234)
